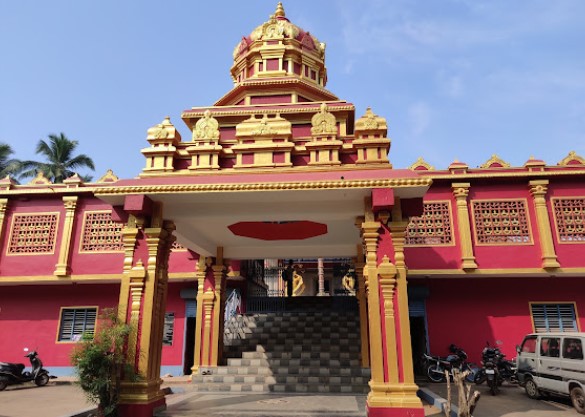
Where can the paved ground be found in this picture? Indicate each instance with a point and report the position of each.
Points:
(512, 401)
(60, 400)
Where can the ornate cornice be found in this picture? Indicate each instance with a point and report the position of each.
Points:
(260, 109)
(275, 186)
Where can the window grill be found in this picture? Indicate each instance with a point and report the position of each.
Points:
(101, 233)
(33, 233)
(501, 222)
(76, 322)
(554, 317)
(570, 219)
(432, 228)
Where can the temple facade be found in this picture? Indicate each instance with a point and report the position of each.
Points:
(279, 169)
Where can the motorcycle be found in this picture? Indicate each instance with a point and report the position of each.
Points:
(456, 360)
(495, 369)
(13, 373)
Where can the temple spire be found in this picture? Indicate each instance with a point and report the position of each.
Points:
(279, 10)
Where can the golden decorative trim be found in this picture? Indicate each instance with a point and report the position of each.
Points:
(521, 173)
(323, 123)
(461, 191)
(495, 160)
(538, 189)
(260, 109)
(40, 179)
(206, 128)
(529, 272)
(420, 162)
(62, 268)
(572, 156)
(276, 186)
(109, 176)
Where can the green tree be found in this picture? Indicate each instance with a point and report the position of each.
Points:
(8, 166)
(100, 363)
(61, 162)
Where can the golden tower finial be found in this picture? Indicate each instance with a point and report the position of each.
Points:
(279, 10)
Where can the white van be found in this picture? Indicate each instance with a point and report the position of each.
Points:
(553, 363)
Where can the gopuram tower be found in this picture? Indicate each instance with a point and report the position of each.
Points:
(277, 168)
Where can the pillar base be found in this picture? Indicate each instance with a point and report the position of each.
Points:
(394, 400)
(394, 412)
(142, 410)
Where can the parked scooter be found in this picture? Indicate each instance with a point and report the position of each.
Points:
(14, 373)
(495, 369)
(456, 360)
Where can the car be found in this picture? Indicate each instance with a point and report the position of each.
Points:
(553, 363)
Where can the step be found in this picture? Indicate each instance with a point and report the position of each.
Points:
(281, 379)
(289, 370)
(296, 388)
(330, 363)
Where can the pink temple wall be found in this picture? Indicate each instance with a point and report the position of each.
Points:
(486, 310)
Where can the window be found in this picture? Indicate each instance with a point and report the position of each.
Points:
(500, 222)
(433, 227)
(529, 345)
(75, 322)
(570, 219)
(169, 329)
(101, 233)
(33, 233)
(554, 317)
(572, 348)
(549, 346)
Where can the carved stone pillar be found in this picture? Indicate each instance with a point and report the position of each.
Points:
(461, 191)
(393, 392)
(538, 188)
(219, 274)
(320, 277)
(200, 276)
(359, 264)
(146, 285)
(62, 268)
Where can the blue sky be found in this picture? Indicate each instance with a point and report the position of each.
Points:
(456, 79)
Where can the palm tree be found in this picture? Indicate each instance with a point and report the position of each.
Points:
(61, 164)
(8, 166)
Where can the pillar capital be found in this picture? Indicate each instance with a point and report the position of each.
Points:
(538, 188)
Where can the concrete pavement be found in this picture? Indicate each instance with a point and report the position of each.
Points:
(61, 398)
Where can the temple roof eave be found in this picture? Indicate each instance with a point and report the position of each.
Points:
(297, 82)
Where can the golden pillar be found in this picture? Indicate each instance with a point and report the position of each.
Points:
(219, 275)
(62, 268)
(146, 285)
(461, 191)
(538, 188)
(210, 307)
(200, 276)
(363, 305)
(393, 392)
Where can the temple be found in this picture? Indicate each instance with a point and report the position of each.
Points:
(391, 262)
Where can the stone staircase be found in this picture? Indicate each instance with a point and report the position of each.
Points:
(311, 346)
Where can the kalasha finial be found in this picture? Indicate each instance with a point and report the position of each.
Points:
(279, 10)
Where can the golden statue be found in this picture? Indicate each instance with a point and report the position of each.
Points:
(298, 284)
(348, 282)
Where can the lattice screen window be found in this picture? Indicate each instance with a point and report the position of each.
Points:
(33, 233)
(501, 222)
(76, 322)
(570, 219)
(101, 233)
(432, 228)
(554, 317)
